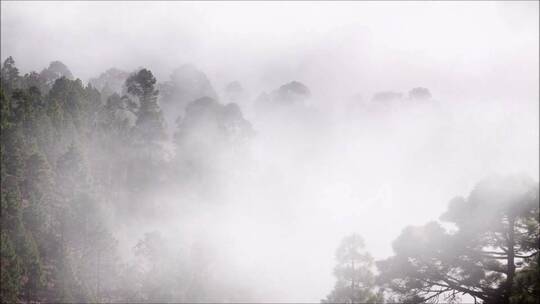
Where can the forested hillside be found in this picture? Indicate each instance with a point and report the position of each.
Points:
(82, 163)
(71, 156)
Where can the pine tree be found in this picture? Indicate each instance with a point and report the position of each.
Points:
(9, 75)
(355, 280)
(146, 162)
(150, 125)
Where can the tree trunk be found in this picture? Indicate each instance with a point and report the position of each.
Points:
(510, 267)
(352, 299)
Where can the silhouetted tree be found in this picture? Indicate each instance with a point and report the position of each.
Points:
(149, 126)
(355, 279)
(497, 236)
(9, 75)
(209, 131)
(419, 94)
(55, 71)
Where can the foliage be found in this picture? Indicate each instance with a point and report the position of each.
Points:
(354, 273)
(490, 257)
(150, 125)
(74, 158)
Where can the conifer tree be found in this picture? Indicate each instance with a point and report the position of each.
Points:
(355, 281)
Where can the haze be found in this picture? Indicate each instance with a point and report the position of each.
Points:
(334, 164)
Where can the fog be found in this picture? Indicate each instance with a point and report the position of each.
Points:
(455, 49)
(271, 209)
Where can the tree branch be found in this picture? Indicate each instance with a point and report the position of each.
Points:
(527, 256)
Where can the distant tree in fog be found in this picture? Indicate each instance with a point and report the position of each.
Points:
(9, 74)
(207, 115)
(56, 70)
(419, 94)
(150, 125)
(186, 84)
(210, 130)
(287, 98)
(291, 92)
(386, 97)
(355, 281)
(109, 82)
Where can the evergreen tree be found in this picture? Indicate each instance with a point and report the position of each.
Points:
(22, 240)
(150, 125)
(497, 238)
(55, 71)
(10, 272)
(355, 279)
(9, 75)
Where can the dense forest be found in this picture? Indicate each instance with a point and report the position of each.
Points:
(78, 158)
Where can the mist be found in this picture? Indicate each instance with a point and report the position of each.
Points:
(346, 118)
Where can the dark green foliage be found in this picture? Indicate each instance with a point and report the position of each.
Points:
(150, 125)
(69, 96)
(10, 75)
(21, 239)
(142, 168)
(9, 71)
(72, 170)
(10, 272)
(13, 151)
(40, 203)
(35, 80)
(526, 287)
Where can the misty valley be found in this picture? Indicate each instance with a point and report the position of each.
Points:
(297, 171)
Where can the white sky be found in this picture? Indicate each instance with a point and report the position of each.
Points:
(455, 48)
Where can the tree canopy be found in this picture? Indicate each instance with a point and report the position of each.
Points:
(488, 256)
(355, 280)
